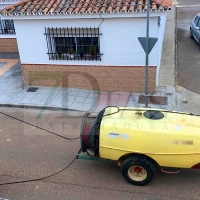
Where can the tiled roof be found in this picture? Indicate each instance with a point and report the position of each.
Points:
(40, 7)
(10, 1)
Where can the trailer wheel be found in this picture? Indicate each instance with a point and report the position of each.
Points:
(138, 170)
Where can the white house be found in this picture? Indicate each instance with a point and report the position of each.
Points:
(88, 44)
(8, 41)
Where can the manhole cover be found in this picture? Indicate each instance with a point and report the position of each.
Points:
(157, 100)
(32, 89)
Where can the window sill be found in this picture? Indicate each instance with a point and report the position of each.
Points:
(75, 57)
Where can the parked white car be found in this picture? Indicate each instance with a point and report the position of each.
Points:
(195, 29)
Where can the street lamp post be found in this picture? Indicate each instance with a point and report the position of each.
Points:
(147, 57)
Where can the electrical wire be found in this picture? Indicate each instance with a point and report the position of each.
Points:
(38, 179)
(87, 153)
(39, 127)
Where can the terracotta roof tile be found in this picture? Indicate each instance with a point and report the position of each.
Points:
(48, 6)
(19, 3)
(70, 10)
(109, 10)
(164, 3)
(35, 2)
(83, 6)
(45, 10)
(132, 8)
(52, 10)
(62, 3)
(126, 6)
(154, 6)
(52, 1)
(83, 10)
(55, 6)
(89, 10)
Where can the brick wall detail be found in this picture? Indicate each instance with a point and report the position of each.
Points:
(100, 78)
(8, 45)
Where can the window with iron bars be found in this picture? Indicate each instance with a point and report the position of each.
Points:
(73, 43)
(7, 27)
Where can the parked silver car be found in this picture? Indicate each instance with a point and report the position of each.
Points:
(195, 29)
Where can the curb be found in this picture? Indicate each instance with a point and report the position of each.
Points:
(41, 107)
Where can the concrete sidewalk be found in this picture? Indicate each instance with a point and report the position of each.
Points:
(13, 93)
(71, 98)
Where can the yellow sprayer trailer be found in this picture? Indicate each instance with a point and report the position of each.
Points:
(140, 138)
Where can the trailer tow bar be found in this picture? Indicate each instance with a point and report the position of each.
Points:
(86, 157)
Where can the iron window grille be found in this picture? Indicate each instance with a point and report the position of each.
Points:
(7, 27)
(73, 43)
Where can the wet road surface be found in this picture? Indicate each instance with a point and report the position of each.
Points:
(27, 153)
(188, 52)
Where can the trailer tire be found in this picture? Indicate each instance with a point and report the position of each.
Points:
(138, 170)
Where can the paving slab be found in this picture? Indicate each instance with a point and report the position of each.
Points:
(79, 99)
(35, 101)
(15, 100)
(25, 100)
(87, 106)
(56, 103)
(70, 98)
(67, 104)
(40, 95)
(83, 93)
(74, 92)
(63, 92)
(93, 95)
(90, 100)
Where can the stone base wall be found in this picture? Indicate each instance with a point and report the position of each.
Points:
(8, 45)
(100, 78)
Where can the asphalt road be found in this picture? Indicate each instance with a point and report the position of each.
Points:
(188, 2)
(27, 153)
(188, 59)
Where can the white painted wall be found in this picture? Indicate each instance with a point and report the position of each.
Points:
(161, 32)
(118, 42)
